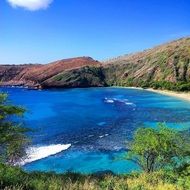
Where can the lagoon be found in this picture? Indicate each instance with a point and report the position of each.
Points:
(93, 124)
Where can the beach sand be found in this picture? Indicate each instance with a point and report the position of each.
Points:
(181, 95)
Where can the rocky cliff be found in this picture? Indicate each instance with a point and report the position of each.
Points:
(165, 66)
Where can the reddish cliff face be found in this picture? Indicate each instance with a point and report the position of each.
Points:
(14, 74)
(37, 76)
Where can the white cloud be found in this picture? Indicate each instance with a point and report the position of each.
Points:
(31, 5)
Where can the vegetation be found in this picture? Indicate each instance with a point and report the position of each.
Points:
(178, 86)
(84, 77)
(162, 153)
(163, 85)
(154, 149)
(15, 178)
(163, 67)
(12, 135)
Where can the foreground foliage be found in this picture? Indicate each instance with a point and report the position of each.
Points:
(14, 178)
(13, 137)
(156, 148)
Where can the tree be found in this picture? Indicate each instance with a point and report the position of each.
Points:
(13, 139)
(153, 149)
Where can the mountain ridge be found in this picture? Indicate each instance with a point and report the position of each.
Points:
(37, 75)
(169, 63)
(165, 66)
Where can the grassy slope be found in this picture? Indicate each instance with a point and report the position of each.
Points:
(163, 67)
(166, 66)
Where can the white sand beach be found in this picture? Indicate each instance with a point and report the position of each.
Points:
(181, 95)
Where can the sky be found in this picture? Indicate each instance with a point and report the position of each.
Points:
(41, 31)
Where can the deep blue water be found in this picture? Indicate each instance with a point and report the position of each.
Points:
(96, 121)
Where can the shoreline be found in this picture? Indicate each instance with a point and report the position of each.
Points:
(180, 95)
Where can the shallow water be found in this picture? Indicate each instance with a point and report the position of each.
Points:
(96, 122)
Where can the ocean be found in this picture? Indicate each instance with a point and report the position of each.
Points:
(87, 130)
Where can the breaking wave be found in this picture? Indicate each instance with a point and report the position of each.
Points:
(39, 152)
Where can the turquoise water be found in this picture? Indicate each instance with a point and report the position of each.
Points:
(96, 121)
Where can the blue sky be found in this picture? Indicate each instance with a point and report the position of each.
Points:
(98, 28)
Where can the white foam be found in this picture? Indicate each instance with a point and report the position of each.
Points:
(113, 100)
(129, 103)
(102, 136)
(39, 152)
(109, 101)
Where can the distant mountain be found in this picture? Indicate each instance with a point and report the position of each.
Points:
(166, 66)
(74, 72)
